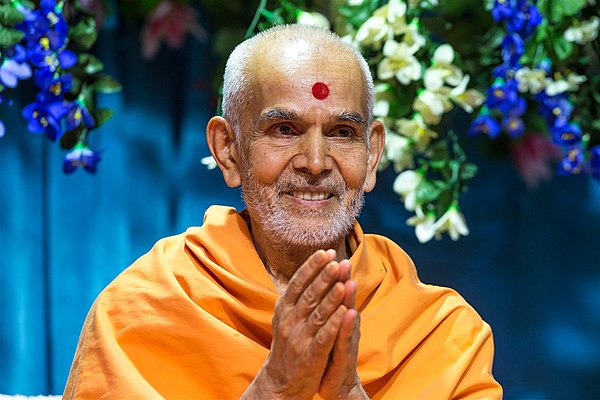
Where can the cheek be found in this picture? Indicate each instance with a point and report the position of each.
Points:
(268, 164)
(352, 166)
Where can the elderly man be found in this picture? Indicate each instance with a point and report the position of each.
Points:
(287, 299)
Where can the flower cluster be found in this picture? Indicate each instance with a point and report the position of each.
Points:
(520, 18)
(419, 81)
(506, 104)
(38, 46)
(417, 85)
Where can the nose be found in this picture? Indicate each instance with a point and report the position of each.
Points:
(313, 153)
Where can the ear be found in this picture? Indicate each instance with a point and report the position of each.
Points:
(221, 143)
(377, 137)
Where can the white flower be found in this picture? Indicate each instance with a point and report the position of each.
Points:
(452, 222)
(569, 84)
(574, 80)
(424, 225)
(400, 62)
(422, 3)
(395, 14)
(412, 37)
(432, 105)
(554, 87)
(386, 21)
(584, 33)
(383, 96)
(405, 185)
(466, 99)
(209, 161)
(398, 151)
(442, 70)
(373, 32)
(313, 18)
(531, 80)
(355, 2)
(416, 129)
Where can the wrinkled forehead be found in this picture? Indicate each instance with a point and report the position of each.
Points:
(309, 74)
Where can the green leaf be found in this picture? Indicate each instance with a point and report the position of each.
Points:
(568, 8)
(9, 16)
(429, 190)
(9, 37)
(84, 33)
(105, 84)
(562, 48)
(556, 10)
(102, 115)
(91, 64)
(468, 171)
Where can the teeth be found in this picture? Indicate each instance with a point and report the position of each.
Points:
(311, 196)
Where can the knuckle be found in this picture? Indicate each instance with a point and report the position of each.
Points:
(322, 337)
(318, 318)
(295, 284)
(285, 332)
(309, 298)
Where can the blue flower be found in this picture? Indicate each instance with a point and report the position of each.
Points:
(54, 88)
(503, 9)
(556, 109)
(524, 18)
(533, 18)
(41, 121)
(503, 95)
(75, 112)
(513, 125)
(567, 135)
(486, 124)
(513, 48)
(81, 156)
(595, 162)
(573, 163)
(11, 71)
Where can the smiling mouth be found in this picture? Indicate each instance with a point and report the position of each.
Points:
(311, 196)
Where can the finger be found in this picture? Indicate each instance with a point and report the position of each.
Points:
(317, 290)
(305, 274)
(345, 270)
(325, 309)
(345, 348)
(341, 370)
(350, 293)
(325, 337)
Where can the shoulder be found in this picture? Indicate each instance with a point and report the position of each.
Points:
(402, 284)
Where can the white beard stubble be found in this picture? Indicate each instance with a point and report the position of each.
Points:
(311, 228)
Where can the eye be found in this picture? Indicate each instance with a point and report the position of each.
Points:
(284, 130)
(343, 132)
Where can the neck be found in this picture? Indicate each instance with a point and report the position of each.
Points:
(283, 259)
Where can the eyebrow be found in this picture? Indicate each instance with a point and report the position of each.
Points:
(351, 117)
(275, 114)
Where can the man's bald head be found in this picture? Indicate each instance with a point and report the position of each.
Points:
(300, 41)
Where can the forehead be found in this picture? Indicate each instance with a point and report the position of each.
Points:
(286, 76)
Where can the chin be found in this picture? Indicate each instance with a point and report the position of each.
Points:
(320, 231)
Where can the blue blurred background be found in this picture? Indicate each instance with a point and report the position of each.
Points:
(530, 265)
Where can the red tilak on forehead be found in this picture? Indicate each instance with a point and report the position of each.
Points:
(320, 90)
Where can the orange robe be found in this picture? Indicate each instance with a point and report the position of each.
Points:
(192, 319)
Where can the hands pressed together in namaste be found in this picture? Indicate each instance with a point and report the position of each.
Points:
(315, 336)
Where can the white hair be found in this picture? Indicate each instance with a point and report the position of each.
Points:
(236, 81)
